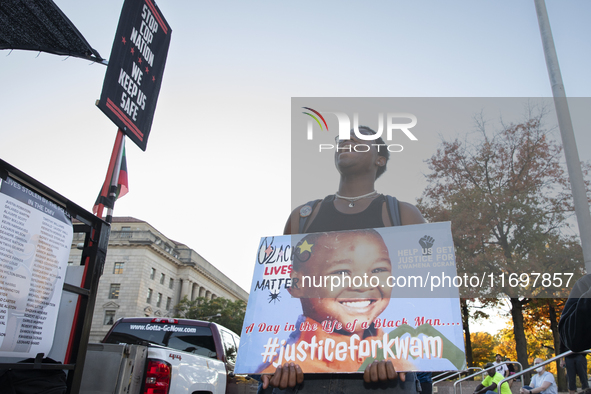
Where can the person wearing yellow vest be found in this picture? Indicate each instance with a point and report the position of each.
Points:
(490, 384)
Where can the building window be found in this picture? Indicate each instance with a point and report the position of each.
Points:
(168, 302)
(162, 277)
(118, 268)
(149, 296)
(171, 283)
(125, 232)
(109, 318)
(152, 273)
(158, 300)
(114, 291)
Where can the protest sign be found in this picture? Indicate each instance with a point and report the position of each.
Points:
(134, 74)
(337, 301)
(35, 240)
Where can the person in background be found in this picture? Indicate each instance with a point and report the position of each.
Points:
(575, 364)
(490, 384)
(541, 383)
(575, 322)
(501, 368)
(511, 369)
(426, 382)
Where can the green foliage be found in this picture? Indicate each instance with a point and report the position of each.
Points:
(231, 313)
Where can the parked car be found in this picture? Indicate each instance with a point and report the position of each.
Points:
(181, 356)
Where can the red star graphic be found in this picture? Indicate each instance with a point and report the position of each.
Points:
(268, 251)
(123, 40)
(153, 78)
(147, 70)
(132, 51)
(139, 60)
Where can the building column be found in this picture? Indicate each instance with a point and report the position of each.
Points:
(194, 291)
(185, 288)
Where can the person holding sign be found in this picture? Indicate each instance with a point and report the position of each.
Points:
(356, 205)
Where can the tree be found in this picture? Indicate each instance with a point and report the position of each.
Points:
(483, 348)
(545, 312)
(539, 343)
(506, 194)
(471, 311)
(231, 313)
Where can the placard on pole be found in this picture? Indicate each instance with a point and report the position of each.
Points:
(136, 66)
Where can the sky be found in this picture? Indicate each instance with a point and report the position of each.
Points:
(216, 174)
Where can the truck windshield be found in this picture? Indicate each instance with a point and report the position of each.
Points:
(193, 339)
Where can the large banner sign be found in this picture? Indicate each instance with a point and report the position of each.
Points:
(337, 301)
(35, 240)
(134, 75)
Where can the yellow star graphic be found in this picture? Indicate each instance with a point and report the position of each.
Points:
(305, 247)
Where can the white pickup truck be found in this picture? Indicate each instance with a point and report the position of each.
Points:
(165, 356)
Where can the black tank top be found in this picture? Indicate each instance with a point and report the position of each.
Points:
(330, 219)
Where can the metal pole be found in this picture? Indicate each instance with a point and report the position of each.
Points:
(573, 163)
(115, 182)
(110, 169)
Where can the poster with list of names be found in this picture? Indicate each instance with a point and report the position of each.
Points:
(35, 239)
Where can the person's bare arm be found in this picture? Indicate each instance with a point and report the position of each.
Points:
(409, 214)
(483, 389)
(542, 387)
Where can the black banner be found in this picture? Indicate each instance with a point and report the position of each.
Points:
(134, 75)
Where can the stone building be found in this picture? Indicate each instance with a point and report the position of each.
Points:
(147, 274)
